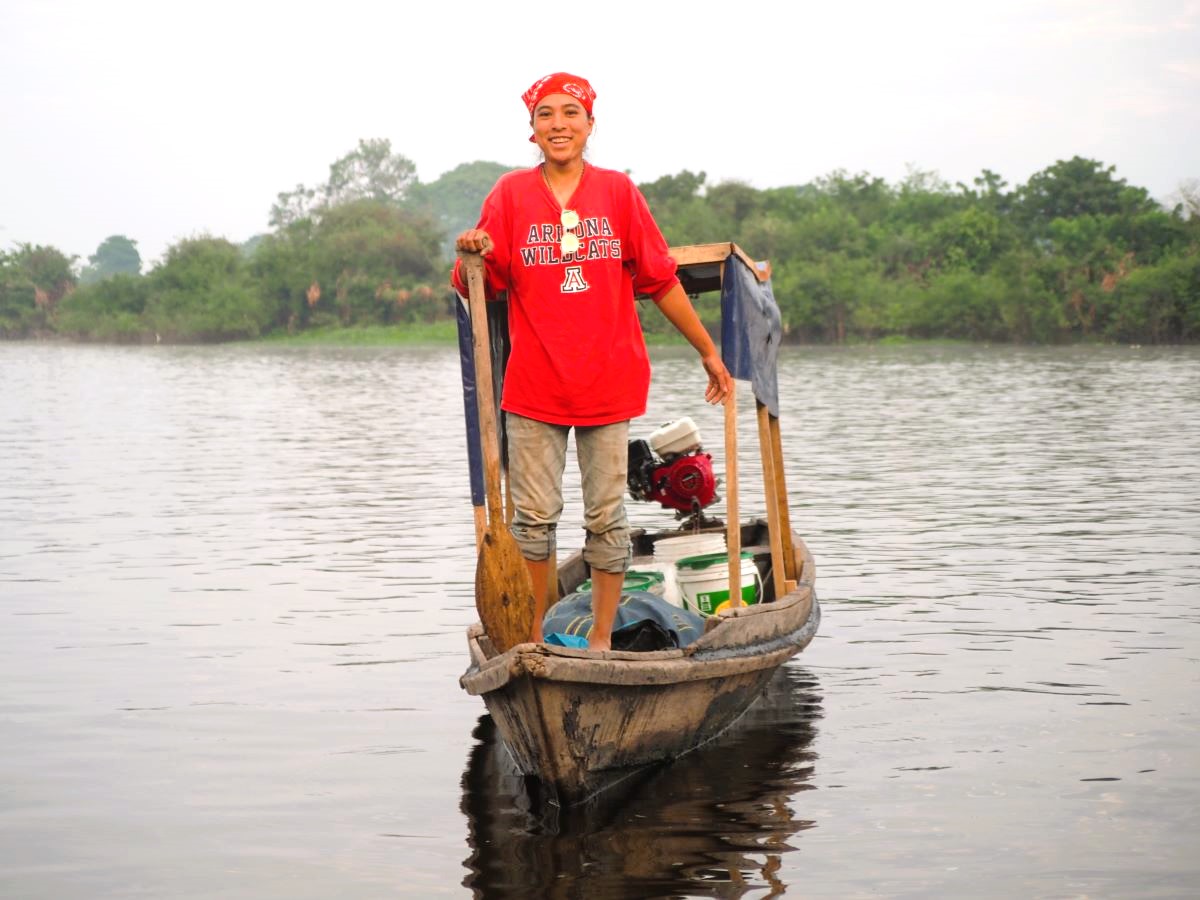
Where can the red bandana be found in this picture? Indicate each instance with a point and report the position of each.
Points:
(560, 83)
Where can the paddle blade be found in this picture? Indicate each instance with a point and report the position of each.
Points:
(503, 590)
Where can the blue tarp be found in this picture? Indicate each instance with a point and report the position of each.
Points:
(466, 359)
(572, 615)
(497, 311)
(751, 329)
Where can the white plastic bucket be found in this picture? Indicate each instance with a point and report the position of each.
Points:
(704, 581)
(669, 550)
(666, 588)
(645, 579)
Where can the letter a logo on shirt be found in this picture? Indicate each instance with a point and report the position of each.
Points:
(573, 282)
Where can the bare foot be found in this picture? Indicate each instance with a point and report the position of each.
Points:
(536, 636)
(600, 646)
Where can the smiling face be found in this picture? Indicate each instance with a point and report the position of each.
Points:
(561, 127)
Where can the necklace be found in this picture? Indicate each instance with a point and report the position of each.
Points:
(553, 192)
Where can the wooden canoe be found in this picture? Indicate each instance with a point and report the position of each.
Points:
(580, 721)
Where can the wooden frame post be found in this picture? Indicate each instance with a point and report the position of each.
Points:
(733, 525)
(770, 492)
(785, 519)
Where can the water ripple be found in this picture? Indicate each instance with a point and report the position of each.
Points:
(218, 565)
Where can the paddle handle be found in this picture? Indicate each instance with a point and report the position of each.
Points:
(481, 344)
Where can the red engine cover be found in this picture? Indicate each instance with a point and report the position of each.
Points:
(684, 480)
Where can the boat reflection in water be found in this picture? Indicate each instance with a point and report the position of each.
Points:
(714, 823)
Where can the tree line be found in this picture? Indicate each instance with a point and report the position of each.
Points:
(1075, 253)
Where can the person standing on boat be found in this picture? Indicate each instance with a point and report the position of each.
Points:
(572, 244)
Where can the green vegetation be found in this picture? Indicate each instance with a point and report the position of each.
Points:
(116, 255)
(33, 281)
(1075, 253)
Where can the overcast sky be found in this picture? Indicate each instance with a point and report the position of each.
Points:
(162, 120)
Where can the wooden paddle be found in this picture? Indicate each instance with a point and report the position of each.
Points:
(503, 590)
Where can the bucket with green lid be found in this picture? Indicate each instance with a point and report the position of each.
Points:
(652, 582)
(704, 581)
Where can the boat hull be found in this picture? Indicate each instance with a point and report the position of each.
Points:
(581, 721)
(581, 738)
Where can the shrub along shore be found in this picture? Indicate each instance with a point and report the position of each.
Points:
(1073, 254)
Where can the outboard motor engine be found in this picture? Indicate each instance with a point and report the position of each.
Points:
(673, 469)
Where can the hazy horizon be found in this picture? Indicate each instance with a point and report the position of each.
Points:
(163, 122)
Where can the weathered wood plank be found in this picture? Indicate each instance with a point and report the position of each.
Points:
(707, 254)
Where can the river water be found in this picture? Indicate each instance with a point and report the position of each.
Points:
(235, 581)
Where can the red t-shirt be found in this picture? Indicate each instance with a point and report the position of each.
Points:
(578, 357)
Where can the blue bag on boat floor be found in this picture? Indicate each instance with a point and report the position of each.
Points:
(558, 639)
(644, 622)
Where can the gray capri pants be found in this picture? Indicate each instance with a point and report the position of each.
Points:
(537, 457)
